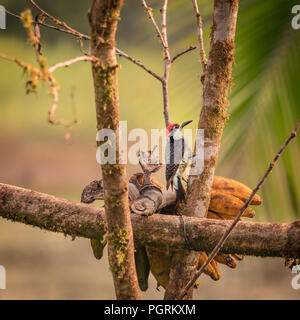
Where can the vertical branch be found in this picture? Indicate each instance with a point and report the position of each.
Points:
(200, 35)
(168, 62)
(103, 18)
(217, 81)
(215, 102)
(242, 210)
(164, 29)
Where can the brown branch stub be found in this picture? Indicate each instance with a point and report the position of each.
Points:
(178, 55)
(78, 219)
(93, 191)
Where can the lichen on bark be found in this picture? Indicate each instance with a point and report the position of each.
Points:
(118, 238)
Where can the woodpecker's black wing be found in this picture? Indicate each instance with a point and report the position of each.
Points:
(174, 162)
(171, 169)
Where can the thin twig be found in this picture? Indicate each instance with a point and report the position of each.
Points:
(200, 35)
(76, 34)
(54, 93)
(168, 64)
(71, 61)
(55, 20)
(151, 17)
(190, 48)
(236, 220)
(16, 60)
(54, 90)
(53, 83)
(86, 37)
(138, 63)
(164, 40)
(12, 14)
(164, 30)
(161, 34)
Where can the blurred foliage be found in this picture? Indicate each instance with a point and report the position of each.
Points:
(263, 101)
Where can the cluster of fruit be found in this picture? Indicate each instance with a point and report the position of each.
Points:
(227, 198)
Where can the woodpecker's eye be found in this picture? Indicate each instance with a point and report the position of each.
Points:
(176, 126)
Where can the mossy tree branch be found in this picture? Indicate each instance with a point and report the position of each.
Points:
(77, 219)
(103, 18)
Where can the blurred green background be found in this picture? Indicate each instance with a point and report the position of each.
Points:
(34, 154)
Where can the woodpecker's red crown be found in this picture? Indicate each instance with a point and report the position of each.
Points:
(170, 127)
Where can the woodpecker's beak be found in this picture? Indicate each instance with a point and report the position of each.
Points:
(185, 123)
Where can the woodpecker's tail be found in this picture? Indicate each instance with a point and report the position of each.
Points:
(180, 191)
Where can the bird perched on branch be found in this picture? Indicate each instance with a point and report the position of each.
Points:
(177, 157)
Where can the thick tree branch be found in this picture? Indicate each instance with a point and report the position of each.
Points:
(78, 219)
(236, 220)
(217, 81)
(103, 19)
(215, 103)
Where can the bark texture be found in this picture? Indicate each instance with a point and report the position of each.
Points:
(78, 219)
(103, 18)
(217, 81)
